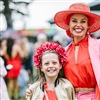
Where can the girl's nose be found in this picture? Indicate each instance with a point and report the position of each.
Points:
(50, 65)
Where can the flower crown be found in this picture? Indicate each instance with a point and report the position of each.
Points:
(50, 46)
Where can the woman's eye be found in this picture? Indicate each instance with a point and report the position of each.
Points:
(83, 21)
(74, 21)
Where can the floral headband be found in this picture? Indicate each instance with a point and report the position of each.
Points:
(50, 46)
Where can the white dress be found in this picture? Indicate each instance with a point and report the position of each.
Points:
(3, 89)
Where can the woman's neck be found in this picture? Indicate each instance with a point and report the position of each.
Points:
(78, 39)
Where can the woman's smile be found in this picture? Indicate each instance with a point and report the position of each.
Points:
(78, 30)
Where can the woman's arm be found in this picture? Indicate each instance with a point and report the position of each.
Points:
(17, 50)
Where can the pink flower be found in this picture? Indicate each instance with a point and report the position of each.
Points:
(49, 46)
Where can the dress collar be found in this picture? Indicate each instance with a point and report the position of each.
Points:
(80, 42)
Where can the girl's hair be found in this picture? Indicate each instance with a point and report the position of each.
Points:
(41, 75)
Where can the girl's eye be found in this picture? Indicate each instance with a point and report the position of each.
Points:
(54, 62)
(46, 63)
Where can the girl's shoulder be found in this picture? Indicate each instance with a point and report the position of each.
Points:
(65, 82)
(34, 85)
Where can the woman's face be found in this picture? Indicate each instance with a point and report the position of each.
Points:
(78, 25)
(50, 65)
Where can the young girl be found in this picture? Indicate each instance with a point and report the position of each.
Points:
(50, 58)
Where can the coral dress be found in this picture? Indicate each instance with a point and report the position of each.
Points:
(81, 74)
(17, 65)
(50, 95)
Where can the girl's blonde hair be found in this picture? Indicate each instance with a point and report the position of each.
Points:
(41, 75)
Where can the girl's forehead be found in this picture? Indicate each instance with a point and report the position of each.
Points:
(48, 54)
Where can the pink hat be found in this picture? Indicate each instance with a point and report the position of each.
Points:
(61, 17)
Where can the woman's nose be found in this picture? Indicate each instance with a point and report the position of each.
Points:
(78, 24)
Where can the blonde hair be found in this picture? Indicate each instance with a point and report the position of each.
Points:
(41, 76)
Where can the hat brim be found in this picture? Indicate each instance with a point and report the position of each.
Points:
(60, 19)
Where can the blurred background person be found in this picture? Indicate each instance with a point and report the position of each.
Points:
(3, 72)
(26, 73)
(27, 60)
(62, 39)
(41, 39)
(3, 88)
(13, 55)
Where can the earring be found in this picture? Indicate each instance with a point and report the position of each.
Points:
(88, 33)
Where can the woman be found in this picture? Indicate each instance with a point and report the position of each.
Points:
(82, 67)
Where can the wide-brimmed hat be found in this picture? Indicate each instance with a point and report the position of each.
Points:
(60, 18)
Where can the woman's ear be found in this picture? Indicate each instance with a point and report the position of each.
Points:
(68, 27)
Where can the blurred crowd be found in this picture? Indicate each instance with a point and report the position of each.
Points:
(17, 68)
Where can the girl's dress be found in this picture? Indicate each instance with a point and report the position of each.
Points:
(3, 89)
(80, 73)
(51, 95)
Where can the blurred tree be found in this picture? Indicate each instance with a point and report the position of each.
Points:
(11, 7)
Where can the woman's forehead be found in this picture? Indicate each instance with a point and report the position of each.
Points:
(79, 16)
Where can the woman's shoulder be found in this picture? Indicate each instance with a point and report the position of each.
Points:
(93, 41)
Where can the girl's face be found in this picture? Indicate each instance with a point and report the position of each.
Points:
(50, 65)
(78, 25)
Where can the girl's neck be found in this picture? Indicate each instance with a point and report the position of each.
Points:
(50, 83)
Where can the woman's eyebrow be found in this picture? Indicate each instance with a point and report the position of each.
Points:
(84, 19)
(81, 19)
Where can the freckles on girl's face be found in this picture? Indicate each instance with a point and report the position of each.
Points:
(78, 25)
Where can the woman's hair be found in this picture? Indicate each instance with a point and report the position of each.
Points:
(10, 43)
(41, 75)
